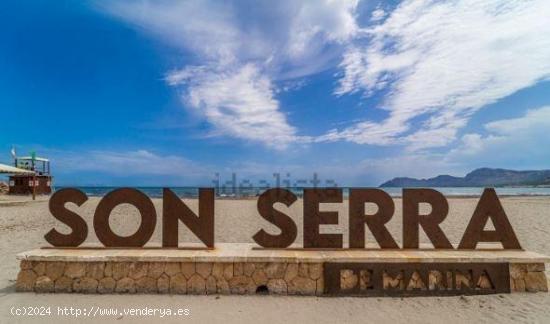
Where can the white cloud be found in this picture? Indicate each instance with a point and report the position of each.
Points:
(441, 62)
(206, 28)
(436, 62)
(332, 20)
(366, 132)
(238, 103)
(517, 143)
(239, 50)
(378, 15)
(125, 163)
(521, 142)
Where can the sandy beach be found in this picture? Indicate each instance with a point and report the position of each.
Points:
(23, 225)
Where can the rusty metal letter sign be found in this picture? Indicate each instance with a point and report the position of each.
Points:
(412, 219)
(489, 207)
(313, 218)
(175, 210)
(125, 196)
(79, 229)
(376, 223)
(282, 221)
(416, 279)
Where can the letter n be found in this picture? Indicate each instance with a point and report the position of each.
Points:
(174, 210)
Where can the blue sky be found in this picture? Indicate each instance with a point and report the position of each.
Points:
(172, 92)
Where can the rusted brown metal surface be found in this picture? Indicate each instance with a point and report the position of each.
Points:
(174, 210)
(489, 207)
(313, 218)
(79, 228)
(415, 279)
(375, 222)
(288, 228)
(125, 196)
(412, 219)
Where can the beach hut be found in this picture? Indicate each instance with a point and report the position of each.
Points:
(8, 169)
(30, 175)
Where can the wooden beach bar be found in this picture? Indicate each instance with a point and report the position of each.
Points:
(30, 176)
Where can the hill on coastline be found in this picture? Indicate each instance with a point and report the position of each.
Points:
(484, 177)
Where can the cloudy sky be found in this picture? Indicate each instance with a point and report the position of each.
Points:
(172, 92)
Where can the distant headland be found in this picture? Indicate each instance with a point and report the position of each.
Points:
(483, 177)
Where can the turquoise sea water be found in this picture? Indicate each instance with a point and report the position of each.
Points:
(232, 192)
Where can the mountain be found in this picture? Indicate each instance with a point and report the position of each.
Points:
(484, 177)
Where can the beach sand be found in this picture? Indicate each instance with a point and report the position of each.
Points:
(23, 225)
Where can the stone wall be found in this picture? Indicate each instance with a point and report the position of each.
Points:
(217, 278)
(171, 277)
(528, 277)
(4, 188)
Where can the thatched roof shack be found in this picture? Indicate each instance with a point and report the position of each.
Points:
(8, 169)
(30, 177)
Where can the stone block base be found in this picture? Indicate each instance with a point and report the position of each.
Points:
(241, 269)
(171, 277)
(528, 277)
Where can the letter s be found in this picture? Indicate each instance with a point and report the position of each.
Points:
(283, 221)
(69, 218)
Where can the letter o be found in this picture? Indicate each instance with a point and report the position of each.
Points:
(125, 196)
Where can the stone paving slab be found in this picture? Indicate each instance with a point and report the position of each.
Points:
(243, 252)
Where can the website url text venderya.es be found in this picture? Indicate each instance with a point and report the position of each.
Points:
(97, 311)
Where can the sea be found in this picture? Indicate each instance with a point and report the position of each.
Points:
(247, 192)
